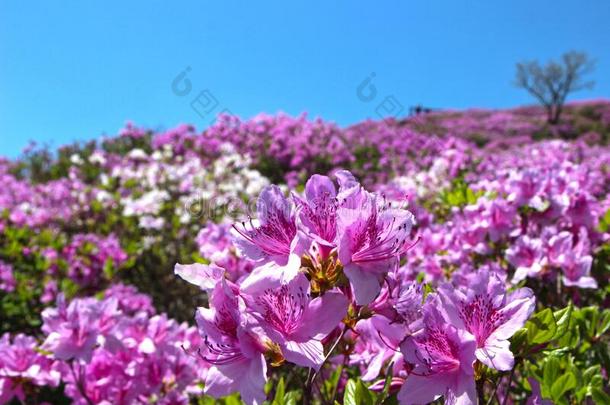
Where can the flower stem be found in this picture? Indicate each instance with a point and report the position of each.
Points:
(78, 381)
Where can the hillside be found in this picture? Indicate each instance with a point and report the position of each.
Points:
(495, 202)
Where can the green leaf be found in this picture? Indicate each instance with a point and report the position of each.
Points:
(350, 395)
(591, 372)
(599, 396)
(550, 372)
(562, 385)
(205, 400)
(518, 340)
(356, 393)
(604, 324)
(232, 400)
(541, 327)
(291, 398)
(563, 318)
(368, 398)
(280, 391)
(331, 384)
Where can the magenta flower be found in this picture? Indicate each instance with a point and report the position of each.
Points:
(377, 344)
(573, 260)
(372, 236)
(576, 272)
(408, 306)
(21, 363)
(216, 244)
(236, 356)
(442, 357)
(88, 254)
(273, 238)
(130, 301)
(501, 218)
(74, 331)
(290, 317)
(7, 280)
(489, 313)
(317, 213)
(527, 256)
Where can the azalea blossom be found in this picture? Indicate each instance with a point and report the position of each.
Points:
(290, 317)
(490, 314)
(73, 330)
(234, 353)
(442, 358)
(372, 236)
(318, 282)
(527, 256)
(21, 363)
(273, 236)
(378, 344)
(572, 258)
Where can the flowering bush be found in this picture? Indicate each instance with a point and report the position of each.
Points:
(282, 260)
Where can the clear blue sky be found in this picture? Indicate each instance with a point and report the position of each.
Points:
(81, 69)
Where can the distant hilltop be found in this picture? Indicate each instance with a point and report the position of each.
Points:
(589, 118)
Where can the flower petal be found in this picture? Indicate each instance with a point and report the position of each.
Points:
(496, 355)
(364, 284)
(422, 390)
(520, 306)
(322, 315)
(202, 275)
(306, 354)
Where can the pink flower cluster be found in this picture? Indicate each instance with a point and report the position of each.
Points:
(88, 254)
(537, 217)
(320, 260)
(116, 350)
(433, 342)
(23, 366)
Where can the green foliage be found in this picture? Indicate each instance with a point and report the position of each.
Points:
(356, 393)
(457, 195)
(460, 195)
(565, 351)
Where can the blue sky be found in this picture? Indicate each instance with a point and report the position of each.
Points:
(81, 70)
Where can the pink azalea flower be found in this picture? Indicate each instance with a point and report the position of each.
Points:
(442, 357)
(236, 356)
(408, 306)
(489, 313)
(273, 236)
(130, 301)
(21, 363)
(501, 218)
(573, 260)
(73, 331)
(576, 272)
(378, 344)
(527, 256)
(317, 213)
(216, 244)
(372, 237)
(290, 317)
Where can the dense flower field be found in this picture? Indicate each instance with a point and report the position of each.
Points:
(457, 257)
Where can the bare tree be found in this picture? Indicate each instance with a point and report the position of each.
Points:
(550, 84)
